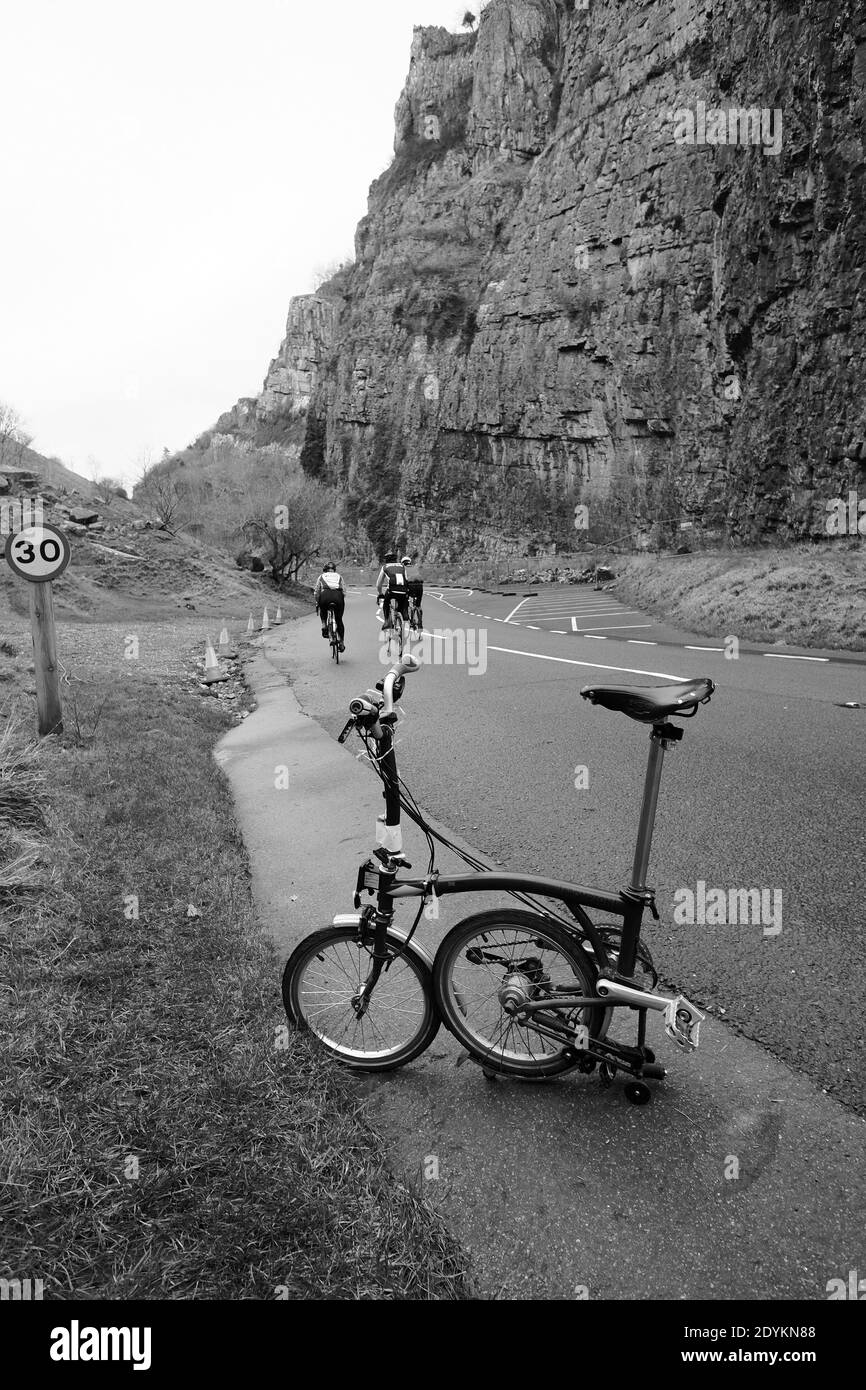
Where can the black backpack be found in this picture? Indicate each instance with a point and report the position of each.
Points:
(396, 578)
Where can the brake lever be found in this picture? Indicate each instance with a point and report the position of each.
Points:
(348, 729)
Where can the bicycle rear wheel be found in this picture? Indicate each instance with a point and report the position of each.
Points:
(322, 989)
(332, 633)
(540, 958)
(395, 646)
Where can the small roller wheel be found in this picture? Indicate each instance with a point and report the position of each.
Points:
(638, 1093)
(489, 1075)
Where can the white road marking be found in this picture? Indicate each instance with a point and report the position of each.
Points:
(514, 610)
(532, 627)
(597, 603)
(640, 642)
(582, 613)
(594, 665)
(783, 656)
(616, 627)
(574, 624)
(560, 632)
(702, 649)
(596, 637)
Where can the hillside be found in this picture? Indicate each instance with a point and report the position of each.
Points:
(124, 565)
(618, 259)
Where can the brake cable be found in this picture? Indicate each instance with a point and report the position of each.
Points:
(413, 811)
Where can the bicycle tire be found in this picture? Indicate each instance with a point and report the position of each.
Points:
(508, 1049)
(332, 633)
(304, 1014)
(397, 636)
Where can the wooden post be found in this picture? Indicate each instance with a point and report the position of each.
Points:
(48, 707)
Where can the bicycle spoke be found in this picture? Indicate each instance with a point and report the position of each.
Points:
(396, 1010)
(544, 967)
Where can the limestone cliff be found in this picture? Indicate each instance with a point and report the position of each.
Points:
(619, 258)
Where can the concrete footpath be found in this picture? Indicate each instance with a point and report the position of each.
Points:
(560, 1190)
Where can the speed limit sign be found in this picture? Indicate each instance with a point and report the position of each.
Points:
(38, 553)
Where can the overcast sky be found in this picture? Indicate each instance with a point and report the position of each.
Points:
(172, 172)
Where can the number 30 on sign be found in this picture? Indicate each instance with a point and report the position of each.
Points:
(38, 553)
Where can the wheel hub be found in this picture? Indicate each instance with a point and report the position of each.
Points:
(515, 991)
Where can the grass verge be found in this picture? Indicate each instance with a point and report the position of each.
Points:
(803, 595)
(162, 1134)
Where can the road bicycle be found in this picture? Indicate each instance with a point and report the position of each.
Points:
(528, 991)
(414, 617)
(396, 633)
(333, 637)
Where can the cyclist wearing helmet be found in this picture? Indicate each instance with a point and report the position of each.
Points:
(330, 592)
(414, 583)
(391, 586)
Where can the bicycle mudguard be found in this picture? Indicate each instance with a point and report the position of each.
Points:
(353, 919)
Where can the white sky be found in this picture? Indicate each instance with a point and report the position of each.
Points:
(173, 171)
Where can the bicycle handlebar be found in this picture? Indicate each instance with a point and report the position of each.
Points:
(403, 667)
(372, 706)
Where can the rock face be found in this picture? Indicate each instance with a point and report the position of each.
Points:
(619, 260)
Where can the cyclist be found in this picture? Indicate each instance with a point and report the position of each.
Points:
(391, 586)
(330, 592)
(414, 584)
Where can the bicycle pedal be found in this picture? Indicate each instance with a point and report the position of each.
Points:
(683, 1023)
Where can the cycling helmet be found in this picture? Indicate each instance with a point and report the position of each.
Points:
(406, 560)
(390, 558)
(328, 566)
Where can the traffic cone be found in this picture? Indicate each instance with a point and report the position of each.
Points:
(279, 618)
(212, 672)
(226, 649)
(265, 621)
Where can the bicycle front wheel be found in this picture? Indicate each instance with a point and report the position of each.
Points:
(486, 954)
(324, 991)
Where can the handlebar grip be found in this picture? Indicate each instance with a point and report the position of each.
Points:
(361, 706)
(406, 664)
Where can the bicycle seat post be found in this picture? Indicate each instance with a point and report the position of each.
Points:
(662, 737)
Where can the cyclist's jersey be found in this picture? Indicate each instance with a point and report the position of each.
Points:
(329, 582)
(392, 576)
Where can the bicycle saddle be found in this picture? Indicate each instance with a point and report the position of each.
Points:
(651, 703)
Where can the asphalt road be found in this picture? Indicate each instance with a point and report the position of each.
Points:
(563, 1187)
(765, 791)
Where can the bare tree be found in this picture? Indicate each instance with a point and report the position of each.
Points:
(14, 438)
(289, 526)
(468, 21)
(157, 490)
(106, 488)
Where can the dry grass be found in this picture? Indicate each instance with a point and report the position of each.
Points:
(162, 1134)
(805, 595)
